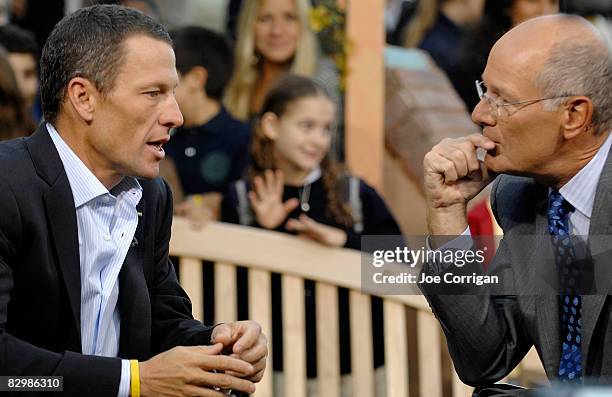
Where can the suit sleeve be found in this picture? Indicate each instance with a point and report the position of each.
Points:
(484, 333)
(172, 319)
(82, 374)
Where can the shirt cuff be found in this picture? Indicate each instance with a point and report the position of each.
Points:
(463, 242)
(124, 385)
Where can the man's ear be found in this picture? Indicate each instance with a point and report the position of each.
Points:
(82, 95)
(577, 116)
(270, 126)
(196, 78)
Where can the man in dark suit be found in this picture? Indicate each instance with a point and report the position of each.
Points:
(85, 280)
(546, 112)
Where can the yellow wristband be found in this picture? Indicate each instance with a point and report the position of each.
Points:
(135, 379)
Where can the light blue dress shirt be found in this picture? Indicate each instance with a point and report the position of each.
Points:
(580, 191)
(106, 222)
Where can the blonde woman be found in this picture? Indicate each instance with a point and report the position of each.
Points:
(274, 38)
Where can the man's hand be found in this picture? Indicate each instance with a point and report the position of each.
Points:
(324, 234)
(187, 371)
(453, 176)
(267, 200)
(245, 341)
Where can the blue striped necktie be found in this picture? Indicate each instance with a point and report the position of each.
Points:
(570, 366)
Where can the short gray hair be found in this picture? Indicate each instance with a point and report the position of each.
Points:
(89, 43)
(580, 68)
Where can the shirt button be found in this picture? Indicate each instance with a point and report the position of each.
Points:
(106, 237)
(190, 151)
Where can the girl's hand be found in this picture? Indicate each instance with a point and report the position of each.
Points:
(324, 234)
(266, 200)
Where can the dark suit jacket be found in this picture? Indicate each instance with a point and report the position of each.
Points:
(489, 335)
(40, 293)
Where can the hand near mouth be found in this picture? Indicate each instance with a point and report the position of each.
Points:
(453, 176)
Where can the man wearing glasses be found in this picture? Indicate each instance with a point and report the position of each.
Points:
(546, 112)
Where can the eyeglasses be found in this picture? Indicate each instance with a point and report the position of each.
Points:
(498, 107)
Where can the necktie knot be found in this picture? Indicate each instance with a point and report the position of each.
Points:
(558, 211)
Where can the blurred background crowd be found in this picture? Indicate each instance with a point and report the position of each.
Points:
(265, 148)
(244, 46)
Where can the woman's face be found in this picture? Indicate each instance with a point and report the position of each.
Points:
(523, 10)
(277, 30)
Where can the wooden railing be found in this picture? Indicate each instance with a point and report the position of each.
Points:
(416, 362)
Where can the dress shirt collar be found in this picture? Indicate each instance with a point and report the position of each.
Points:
(84, 184)
(580, 190)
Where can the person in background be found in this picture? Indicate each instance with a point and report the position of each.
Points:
(210, 150)
(438, 26)
(274, 38)
(295, 186)
(4, 12)
(14, 121)
(37, 16)
(23, 56)
(294, 183)
(499, 17)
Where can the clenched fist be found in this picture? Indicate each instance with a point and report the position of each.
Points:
(453, 176)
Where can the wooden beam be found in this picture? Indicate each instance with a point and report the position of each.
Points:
(396, 349)
(225, 293)
(294, 337)
(260, 310)
(362, 361)
(364, 107)
(328, 351)
(190, 273)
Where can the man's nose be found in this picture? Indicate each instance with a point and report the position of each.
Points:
(483, 115)
(171, 116)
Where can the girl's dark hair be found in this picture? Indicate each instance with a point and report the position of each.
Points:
(14, 121)
(286, 91)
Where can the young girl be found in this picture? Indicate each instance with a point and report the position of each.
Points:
(295, 186)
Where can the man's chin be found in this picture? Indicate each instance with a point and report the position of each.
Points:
(495, 164)
(148, 173)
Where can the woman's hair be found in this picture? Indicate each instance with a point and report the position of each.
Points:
(424, 18)
(247, 68)
(14, 121)
(285, 92)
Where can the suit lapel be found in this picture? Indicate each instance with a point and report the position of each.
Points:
(600, 232)
(59, 205)
(134, 300)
